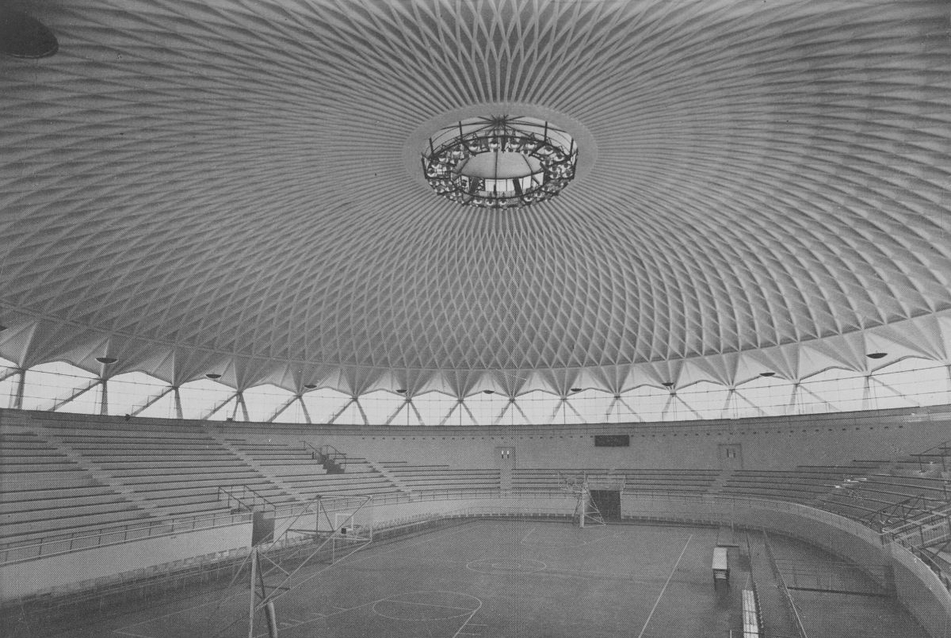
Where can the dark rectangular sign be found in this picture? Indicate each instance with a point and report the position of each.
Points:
(612, 440)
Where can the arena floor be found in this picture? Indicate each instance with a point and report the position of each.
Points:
(530, 579)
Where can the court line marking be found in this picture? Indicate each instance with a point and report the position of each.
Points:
(549, 544)
(125, 629)
(664, 588)
(399, 547)
(410, 602)
(471, 616)
(472, 612)
(498, 571)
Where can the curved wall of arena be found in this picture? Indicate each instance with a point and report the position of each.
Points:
(773, 443)
(766, 443)
(769, 443)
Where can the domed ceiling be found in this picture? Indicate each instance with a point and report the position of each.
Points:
(234, 187)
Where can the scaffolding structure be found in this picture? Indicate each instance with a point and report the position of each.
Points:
(276, 566)
(586, 510)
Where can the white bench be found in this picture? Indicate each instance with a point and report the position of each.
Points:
(721, 567)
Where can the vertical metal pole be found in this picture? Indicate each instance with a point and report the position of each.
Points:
(271, 619)
(254, 576)
(584, 501)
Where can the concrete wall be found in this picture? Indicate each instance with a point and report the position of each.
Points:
(780, 443)
(919, 590)
(893, 566)
(767, 443)
(922, 593)
(62, 570)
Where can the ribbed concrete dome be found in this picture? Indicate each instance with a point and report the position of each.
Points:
(235, 187)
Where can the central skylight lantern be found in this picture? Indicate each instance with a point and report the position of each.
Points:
(500, 162)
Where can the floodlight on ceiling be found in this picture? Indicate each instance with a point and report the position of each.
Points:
(213, 375)
(488, 392)
(106, 360)
(767, 373)
(23, 36)
(401, 390)
(500, 162)
(310, 386)
(668, 384)
(576, 389)
(876, 355)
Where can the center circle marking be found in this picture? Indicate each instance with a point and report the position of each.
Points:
(500, 566)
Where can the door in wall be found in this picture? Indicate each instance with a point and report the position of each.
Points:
(608, 503)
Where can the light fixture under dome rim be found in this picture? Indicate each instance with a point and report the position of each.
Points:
(500, 162)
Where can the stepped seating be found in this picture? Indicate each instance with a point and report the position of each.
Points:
(846, 504)
(536, 480)
(692, 481)
(798, 486)
(359, 479)
(892, 489)
(875, 485)
(873, 494)
(47, 494)
(929, 487)
(443, 477)
(695, 481)
(176, 471)
(857, 490)
(279, 458)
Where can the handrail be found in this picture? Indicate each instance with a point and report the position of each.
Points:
(498, 507)
(245, 488)
(942, 451)
(116, 534)
(133, 532)
(78, 541)
(787, 598)
(327, 453)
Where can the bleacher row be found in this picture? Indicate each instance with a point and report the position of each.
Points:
(687, 481)
(856, 491)
(60, 479)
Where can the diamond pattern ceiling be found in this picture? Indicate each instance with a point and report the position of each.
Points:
(223, 186)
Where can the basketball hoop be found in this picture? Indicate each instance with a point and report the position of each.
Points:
(586, 511)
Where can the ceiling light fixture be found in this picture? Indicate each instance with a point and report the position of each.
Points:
(23, 36)
(106, 360)
(500, 162)
(876, 355)
(767, 374)
(310, 386)
(213, 375)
